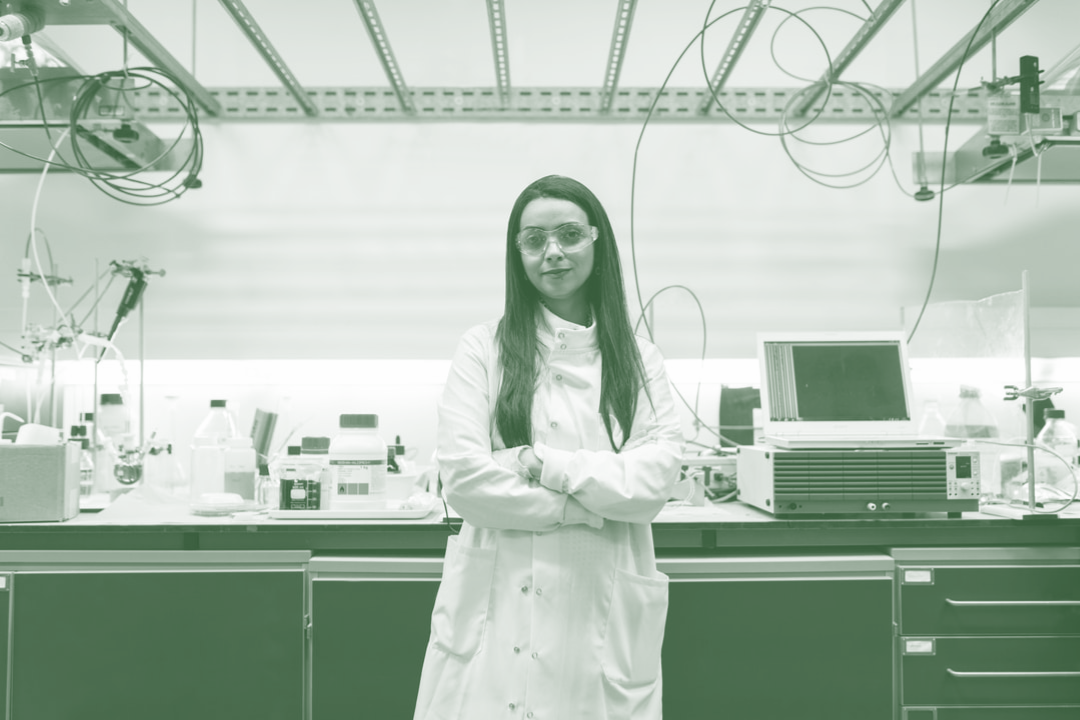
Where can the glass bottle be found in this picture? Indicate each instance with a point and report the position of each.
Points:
(1058, 435)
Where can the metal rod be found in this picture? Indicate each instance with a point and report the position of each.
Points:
(499, 49)
(377, 33)
(1029, 403)
(856, 45)
(126, 24)
(142, 371)
(1047, 674)
(246, 22)
(1011, 603)
(747, 25)
(624, 16)
(999, 18)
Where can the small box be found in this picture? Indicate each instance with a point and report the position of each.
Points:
(39, 482)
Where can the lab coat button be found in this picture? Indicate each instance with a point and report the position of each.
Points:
(524, 589)
(554, 425)
(562, 347)
(517, 650)
(562, 335)
(512, 706)
(529, 715)
(558, 377)
(539, 591)
(535, 655)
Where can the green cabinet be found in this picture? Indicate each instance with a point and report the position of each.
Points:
(759, 638)
(162, 635)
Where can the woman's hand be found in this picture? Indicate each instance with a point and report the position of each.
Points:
(531, 463)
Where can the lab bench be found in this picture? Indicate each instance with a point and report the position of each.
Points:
(768, 618)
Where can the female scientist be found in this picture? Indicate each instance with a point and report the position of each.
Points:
(558, 443)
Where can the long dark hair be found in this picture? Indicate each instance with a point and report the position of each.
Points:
(622, 372)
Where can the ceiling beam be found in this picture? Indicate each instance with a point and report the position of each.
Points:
(624, 17)
(497, 24)
(747, 25)
(999, 18)
(262, 45)
(881, 15)
(126, 24)
(375, 30)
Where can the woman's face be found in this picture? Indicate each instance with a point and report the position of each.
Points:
(557, 275)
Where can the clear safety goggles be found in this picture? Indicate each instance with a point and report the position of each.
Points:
(572, 237)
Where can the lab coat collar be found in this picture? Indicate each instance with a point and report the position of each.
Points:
(555, 332)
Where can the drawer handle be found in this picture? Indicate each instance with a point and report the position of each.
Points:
(962, 674)
(1008, 603)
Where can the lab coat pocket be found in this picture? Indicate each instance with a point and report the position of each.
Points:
(634, 632)
(461, 604)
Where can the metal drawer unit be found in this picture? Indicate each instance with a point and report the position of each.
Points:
(988, 633)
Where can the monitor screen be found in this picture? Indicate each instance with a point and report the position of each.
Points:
(836, 381)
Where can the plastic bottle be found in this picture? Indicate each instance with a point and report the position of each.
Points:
(932, 423)
(1059, 435)
(113, 427)
(240, 467)
(357, 464)
(86, 468)
(266, 488)
(208, 451)
(971, 419)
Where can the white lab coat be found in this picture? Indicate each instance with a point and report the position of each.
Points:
(550, 606)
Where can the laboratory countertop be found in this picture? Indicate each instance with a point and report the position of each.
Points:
(135, 524)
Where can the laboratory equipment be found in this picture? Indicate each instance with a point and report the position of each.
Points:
(358, 463)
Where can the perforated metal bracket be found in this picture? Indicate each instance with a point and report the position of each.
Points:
(549, 104)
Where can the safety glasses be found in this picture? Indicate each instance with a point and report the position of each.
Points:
(571, 238)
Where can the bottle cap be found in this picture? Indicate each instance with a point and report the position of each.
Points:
(314, 445)
(1053, 413)
(112, 399)
(217, 403)
(85, 442)
(358, 421)
(86, 417)
(292, 450)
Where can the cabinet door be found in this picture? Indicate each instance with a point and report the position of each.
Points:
(368, 643)
(758, 649)
(163, 645)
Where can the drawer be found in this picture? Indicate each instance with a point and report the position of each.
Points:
(992, 600)
(1016, 712)
(990, 671)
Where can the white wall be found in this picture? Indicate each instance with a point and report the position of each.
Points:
(387, 240)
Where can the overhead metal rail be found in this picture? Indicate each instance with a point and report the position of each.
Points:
(375, 30)
(497, 25)
(1002, 15)
(544, 104)
(624, 18)
(881, 15)
(747, 25)
(262, 45)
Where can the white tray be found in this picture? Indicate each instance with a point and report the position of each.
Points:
(391, 511)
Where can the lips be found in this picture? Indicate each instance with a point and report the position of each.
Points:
(557, 273)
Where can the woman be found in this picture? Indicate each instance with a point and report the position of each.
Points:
(558, 444)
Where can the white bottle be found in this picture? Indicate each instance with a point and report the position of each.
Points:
(240, 467)
(357, 464)
(1058, 435)
(208, 451)
(112, 426)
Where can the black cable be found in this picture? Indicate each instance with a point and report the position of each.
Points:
(125, 187)
(945, 154)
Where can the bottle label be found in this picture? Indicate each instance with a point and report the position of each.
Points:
(358, 478)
